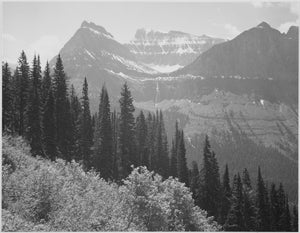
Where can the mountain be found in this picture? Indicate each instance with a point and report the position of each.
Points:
(168, 51)
(93, 52)
(243, 93)
(261, 52)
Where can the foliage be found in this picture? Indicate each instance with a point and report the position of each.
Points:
(44, 195)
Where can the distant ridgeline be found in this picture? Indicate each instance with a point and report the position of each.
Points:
(57, 123)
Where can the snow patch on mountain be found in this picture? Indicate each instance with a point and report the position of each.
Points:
(99, 33)
(130, 64)
(165, 68)
(122, 75)
(90, 54)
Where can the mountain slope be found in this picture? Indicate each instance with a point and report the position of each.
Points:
(93, 52)
(261, 52)
(167, 51)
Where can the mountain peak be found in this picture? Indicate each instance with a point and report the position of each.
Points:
(263, 25)
(293, 32)
(95, 28)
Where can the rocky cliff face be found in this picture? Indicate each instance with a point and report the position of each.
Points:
(168, 51)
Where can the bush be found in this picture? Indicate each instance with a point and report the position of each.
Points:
(40, 195)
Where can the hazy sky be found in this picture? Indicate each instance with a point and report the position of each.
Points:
(44, 27)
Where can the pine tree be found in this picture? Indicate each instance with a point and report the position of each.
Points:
(61, 109)
(49, 128)
(115, 133)
(226, 196)
(23, 91)
(246, 180)
(281, 207)
(160, 159)
(249, 210)
(287, 217)
(235, 218)
(173, 160)
(164, 161)
(262, 206)
(141, 137)
(210, 187)
(194, 184)
(33, 113)
(85, 126)
(15, 93)
(126, 132)
(75, 108)
(295, 219)
(103, 147)
(150, 140)
(182, 169)
(7, 99)
(46, 84)
(274, 208)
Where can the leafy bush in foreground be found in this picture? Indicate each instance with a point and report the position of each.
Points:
(40, 195)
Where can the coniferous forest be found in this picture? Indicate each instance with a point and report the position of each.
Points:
(133, 159)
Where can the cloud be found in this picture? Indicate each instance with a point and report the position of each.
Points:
(294, 8)
(8, 37)
(46, 46)
(285, 26)
(232, 30)
(260, 4)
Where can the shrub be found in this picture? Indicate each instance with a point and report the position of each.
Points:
(40, 195)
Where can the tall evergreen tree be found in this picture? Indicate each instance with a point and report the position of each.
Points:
(287, 217)
(246, 180)
(115, 133)
(46, 84)
(182, 169)
(235, 218)
(262, 205)
(75, 110)
(164, 161)
(274, 208)
(150, 140)
(15, 91)
(103, 147)
(33, 113)
(160, 160)
(7, 98)
(226, 196)
(126, 132)
(173, 160)
(295, 219)
(141, 137)
(49, 128)
(85, 127)
(70, 127)
(249, 210)
(61, 109)
(194, 181)
(210, 187)
(23, 89)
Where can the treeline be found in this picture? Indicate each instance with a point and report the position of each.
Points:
(57, 123)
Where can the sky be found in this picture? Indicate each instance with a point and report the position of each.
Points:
(44, 27)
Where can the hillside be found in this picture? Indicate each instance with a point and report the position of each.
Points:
(260, 52)
(40, 195)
